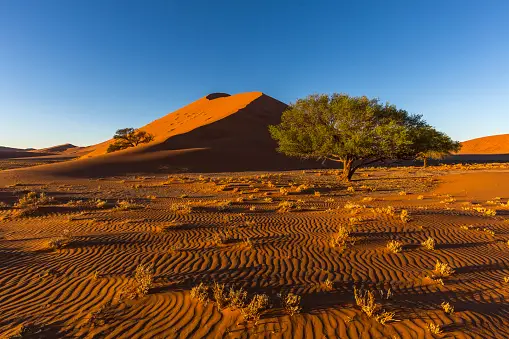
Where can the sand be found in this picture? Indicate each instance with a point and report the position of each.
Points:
(493, 144)
(67, 292)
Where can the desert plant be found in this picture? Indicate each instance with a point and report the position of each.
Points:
(442, 270)
(141, 282)
(128, 137)
(385, 317)
(290, 303)
(200, 293)
(448, 308)
(340, 238)
(354, 131)
(366, 301)
(237, 298)
(395, 246)
(286, 206)
(61, 241)
(404, 216)
(33, 199)
(254, 310)
(328, 284)
(435, 329)
(429, 243)
(125, 205)
(219, 293)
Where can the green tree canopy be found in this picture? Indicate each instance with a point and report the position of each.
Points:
(129, 137)
(355, 131)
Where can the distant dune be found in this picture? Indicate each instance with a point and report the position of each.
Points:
(493, 144)
(217, 133)
(58, 148)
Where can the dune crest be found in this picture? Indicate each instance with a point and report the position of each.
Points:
(217, 133)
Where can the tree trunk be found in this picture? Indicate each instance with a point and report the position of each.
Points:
(425, 162)
(347, 170)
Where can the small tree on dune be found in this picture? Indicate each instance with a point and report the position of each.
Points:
(354, 131)
(129, 137)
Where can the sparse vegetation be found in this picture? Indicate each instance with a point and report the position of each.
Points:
(290, 303)
(442, 270)
(140, 284)
(395, 246)
(129, 137)
(429, 243)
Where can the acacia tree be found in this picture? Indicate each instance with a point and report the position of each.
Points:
(354, 131)
(129, 137)
(438, 146)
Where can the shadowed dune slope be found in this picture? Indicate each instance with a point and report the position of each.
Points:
(494, 144)
(213, 134)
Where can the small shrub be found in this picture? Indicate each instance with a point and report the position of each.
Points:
(328, 285)
(290, 303)
(435, 329)
(200, 293)
(340, 238)
(218, 290)
(350, 189)
(404, 216)
(385, 317)
(429, 243)
(366, 301)
(395, 246)
(442, 270)
(448, 308)
(181, 208)
(237, 298)
(286, 206)
(60, 242)
(125, 205)
(253, 310)
(33, 199)
(140, 284)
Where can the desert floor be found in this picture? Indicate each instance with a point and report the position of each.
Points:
(68, 258)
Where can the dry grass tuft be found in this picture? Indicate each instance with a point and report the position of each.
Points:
(32, 199)
(442, 270)
(125, 205)
(435, 329)
(395, 246)
(448, 308)
(429, 243)
(366, 301)
(254, 310)
(340, 238)
(404, 216)
(290, 303)
(140, 284)
(201, 293)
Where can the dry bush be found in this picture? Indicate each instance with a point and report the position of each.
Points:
(181, 208)
(385, 317)
(99, 203)
(442, 270)
(389, 210)
(339, 239)
(448, 308)
(283, 191)
(254, 310)
(60, 242)
(290, 303)
(32, 199)
(366, 301)
(286, 206)
(328, 285)
(140, 284)
(172, 225)
(402, 193)
(404, 216)
(200, 293)
(429, 243)
(395, 246)
(420, 197)
(317, 194)
(125, 205)
(350, 189)
(219, 293)
(435, 329)
(248, 243)
(237, 298)
(506, 280)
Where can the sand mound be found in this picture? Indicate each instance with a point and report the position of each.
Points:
(216, 133)
(493, 144)
(58, 148)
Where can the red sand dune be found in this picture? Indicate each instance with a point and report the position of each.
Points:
(493, 144)
(216, 133)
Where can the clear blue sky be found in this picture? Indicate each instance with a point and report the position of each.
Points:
(75, 71)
